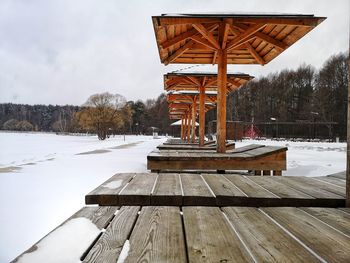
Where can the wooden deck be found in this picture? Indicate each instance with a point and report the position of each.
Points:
(207, 234)
(194, 147)
(251, 157)
(183, 189)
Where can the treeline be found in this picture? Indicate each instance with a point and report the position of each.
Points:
(127, 117)
(304, 95)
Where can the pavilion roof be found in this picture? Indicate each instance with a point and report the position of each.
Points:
(248, 38)
(180, 81)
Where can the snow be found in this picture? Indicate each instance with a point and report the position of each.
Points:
(309, 158)
(124, 253)
(37, 198)
(44, 177)
(65, 244)
(113, 185)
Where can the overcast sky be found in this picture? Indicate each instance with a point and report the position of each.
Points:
(62, 51)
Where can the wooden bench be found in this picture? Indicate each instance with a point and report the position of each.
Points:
(184, 189)
(194, 147)
(259, 158)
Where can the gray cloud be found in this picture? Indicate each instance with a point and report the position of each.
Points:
(62, 51)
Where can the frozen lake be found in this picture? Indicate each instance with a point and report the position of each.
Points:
(44, 177)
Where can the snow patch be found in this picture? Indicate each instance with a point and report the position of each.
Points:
(125, 252)
(113, 185)
(65, 244)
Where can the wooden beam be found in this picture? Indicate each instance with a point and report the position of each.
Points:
(207, 35)
(203, 41)
(225, 36)
(188, 127)
(201, 115)
(234, 83)
(255, 54)
(178, 39)
(244, 37)
(280, 46)
(276, 43)
(221, 97)
(193, 130)
(178, 52)
(214, 57)
(348, 140)
(182, 128)
(194, 80)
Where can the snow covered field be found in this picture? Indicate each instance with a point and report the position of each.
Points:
(44, 177)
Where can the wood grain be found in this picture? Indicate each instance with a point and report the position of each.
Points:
(324, 240)
(196, 191)
(110, 244)
(138, 191)
(167, 190)
(107, 193)
(157, 236)
(210, 238)
(265, 240)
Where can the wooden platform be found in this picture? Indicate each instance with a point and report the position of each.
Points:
(251, 157)
(194, 147)
(205, 234)
(184, 189)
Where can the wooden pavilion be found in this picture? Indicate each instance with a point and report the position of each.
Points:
(227, 38)
(199, 88)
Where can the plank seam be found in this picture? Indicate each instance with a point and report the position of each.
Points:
(86, 252)
(294, 237)
(247, 177)
(180, 181)
(184, 233)
(239, 237)
(154, 185)
(127, 184)
(210, 190)
(344, 211)
(239, 189)
(340, 232)
(342, 187)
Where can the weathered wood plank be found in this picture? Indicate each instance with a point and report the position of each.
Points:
(138, 191)
(328, 243)
(99, 217)
(167, 190)
(157, 236)
(174, 160)
(331, 216)
(331, 180)
(306, 185)
(325, 186)
(225, 191)
(110, 244)
(279, 189)
(257, 195)
(107, 193)
(196, 191)
(210, 238)
(266, 241)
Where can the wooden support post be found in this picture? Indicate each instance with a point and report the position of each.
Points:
(221, 101)
(188, 127)
(185, 127)
(201, 115)
(193, 130)
(277, 173)
(347, 202)
(182, 128)
(266, 172)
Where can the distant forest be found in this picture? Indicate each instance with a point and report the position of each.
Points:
(304, 95)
